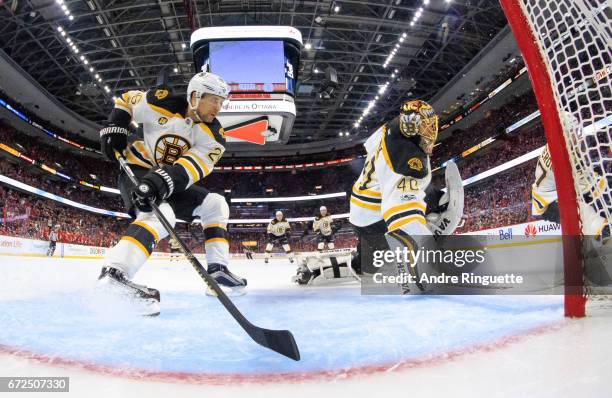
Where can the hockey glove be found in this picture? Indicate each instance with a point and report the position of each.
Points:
(113, 138)
(154, 187)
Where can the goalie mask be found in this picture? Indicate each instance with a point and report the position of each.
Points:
(418, 118)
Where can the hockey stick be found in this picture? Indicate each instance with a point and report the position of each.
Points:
(281, 341)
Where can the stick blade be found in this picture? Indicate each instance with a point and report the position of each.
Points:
(281, 341)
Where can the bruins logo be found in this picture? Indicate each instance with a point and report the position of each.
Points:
(161, 94)
(162, 120)
(169, 148)
(415, 164)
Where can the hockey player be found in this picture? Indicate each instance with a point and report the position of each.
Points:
(544, 201)
(52, 241)
(175, 250)
(388, 202)
(324, 228)
(278, 234)
(182, 141)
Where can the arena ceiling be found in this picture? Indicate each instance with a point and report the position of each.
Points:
(127, 43)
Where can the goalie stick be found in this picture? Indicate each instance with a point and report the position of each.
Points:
(281, 341)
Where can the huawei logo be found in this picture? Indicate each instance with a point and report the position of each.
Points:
(530, 230)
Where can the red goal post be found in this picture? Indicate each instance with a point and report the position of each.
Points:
(566, 47)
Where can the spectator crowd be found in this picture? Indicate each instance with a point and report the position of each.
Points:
(502, 199)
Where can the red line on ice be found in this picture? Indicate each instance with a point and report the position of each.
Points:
(287, 377)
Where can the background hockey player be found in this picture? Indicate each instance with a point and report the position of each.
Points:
(182, 141)
(52, 241)
(175, 250)
(324, 228)
(278, 234)
(388, 202)
(544, 201)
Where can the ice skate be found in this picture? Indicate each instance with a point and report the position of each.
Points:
(232, 284)
(143, 299)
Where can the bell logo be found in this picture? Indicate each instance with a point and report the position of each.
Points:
(530, 230)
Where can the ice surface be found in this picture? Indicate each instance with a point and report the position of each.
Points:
(48, 307)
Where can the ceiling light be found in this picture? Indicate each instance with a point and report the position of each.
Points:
(91, 69)
(337, 9)
(86, 62)
(60, 29)
(183, 45)
(63, 34)
(64, 7)
(70, 17)
(307, 46)
(412, 23)
(97, 76)
(82, 58)
(175, 70)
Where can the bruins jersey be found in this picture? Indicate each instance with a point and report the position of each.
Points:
(278, 228)
(174, 245)
(169, 137)
(323, 225)
(392, 183)
(544, 189)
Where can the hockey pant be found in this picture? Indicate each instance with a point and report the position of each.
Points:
(138, 242)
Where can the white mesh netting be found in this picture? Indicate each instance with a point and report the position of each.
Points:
(575, 40)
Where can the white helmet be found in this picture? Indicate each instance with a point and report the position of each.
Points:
(206, 83)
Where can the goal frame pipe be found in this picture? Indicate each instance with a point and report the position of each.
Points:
(574, 298)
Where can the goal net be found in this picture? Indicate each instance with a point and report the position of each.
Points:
(567, 45)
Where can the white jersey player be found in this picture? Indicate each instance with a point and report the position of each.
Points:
(278, 234)
(324, 228)
(175, 250)
(182, 141)
(388, 205)
(544, 200)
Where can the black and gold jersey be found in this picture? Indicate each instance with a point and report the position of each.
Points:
(169, 137)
